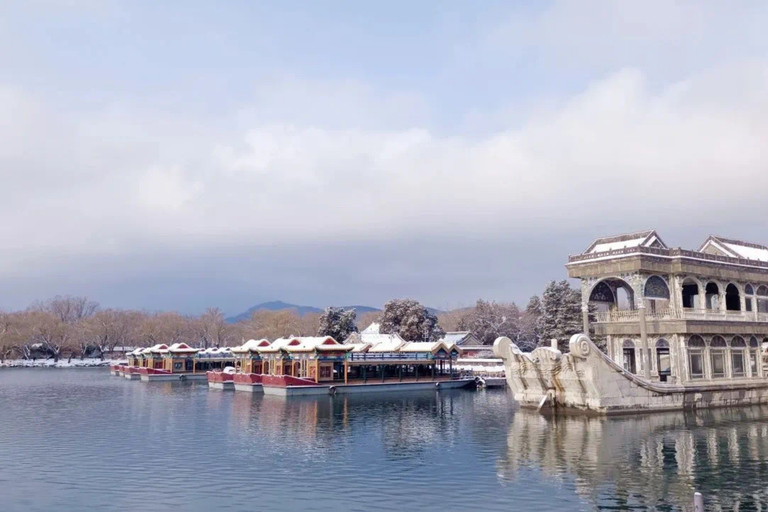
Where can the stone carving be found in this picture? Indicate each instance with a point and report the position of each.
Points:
(579, 346)
(585, 379)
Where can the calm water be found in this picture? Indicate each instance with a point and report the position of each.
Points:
(73, 440)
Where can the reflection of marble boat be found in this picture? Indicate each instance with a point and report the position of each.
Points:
(588, 380)
(646, 461)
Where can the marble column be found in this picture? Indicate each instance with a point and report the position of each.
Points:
(644, 342)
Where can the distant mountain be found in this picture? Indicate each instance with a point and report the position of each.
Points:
(362, 309)
(278, 305)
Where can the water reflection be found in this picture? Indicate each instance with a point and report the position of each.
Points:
(82, 440)
(651, 462)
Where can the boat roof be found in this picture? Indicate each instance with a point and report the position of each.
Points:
(182, 348)
(648, 238)
(427, 347)
(734, 248)
(250, 346)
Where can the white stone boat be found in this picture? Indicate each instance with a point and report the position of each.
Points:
(587, 380)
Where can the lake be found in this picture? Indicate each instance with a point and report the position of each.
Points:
(73, 440)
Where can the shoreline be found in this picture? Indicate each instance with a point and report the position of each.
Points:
(61, 363)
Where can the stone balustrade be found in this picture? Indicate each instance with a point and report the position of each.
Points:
(685, 314)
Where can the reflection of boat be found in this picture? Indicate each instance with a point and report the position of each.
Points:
(649, 460)
(586, 379)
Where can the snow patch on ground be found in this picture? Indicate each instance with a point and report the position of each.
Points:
(61, 363)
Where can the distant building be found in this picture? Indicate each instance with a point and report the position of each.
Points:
(461, 338)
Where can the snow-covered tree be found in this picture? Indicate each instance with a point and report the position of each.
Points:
(560, 314)
(411, 320)
(338, 323)
(490, 320)
(529, 336)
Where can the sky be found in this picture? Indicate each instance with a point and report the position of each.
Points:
(183, 154)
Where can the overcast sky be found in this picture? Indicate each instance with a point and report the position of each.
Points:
(184, 154)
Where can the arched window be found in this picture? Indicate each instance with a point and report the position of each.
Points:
(656, 293)
(602, 293)
(696, 347)
(717, 349)
(748, 290)
(748, 299)
(663, 365)
(762, 299)
(656, 288)
(630, 362)
(611, 294)
(738, 348)
(754, 353)
(690, 294)
(712, 299)
(732, 299)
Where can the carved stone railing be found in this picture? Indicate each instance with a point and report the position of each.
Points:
(685, 314)
(677, 253)
(617, 316)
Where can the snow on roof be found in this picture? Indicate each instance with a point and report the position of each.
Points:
(376, 338)
(182, 348)
(250, 345)
(374, 328)
(313, 342)
(426, 346)
(735, 248)
(391, 345)
(420, 346)
(283, 342)
(455, 337)
(647, 238)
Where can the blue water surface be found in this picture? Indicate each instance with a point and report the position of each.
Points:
(80, 439)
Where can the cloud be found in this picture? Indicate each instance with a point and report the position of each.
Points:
(654, 125)
(616, 149)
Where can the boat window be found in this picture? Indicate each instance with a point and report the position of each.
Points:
(712, 297)
(690, 294)
(663, 364)
(748, 290)
(738, 346)
(696, 357)
(630, 363)
(717, 356)
(753, 368)
(762, 299)
(732, 298)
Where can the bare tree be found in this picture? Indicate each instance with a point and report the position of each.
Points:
(212, 329)
(68, 309)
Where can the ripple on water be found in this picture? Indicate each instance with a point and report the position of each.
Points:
(73, 440)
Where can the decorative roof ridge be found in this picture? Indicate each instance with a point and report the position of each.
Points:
(733, 241)
(644, 234)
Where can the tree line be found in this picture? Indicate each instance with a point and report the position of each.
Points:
(67, 327)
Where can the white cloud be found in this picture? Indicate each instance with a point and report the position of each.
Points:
(617, 149)
(331, 161)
